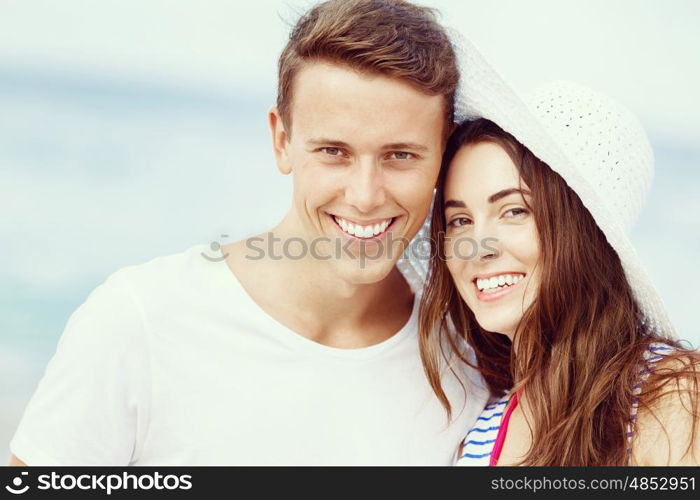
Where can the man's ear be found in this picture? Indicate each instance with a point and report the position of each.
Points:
(279, 141)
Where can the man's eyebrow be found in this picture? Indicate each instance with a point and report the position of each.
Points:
(492, 199)
(322, 141)
(407, 145)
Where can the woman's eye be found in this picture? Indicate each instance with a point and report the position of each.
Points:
(459, 222)
(401, 155)
(515, 212)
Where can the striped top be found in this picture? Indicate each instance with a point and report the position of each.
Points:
(477, 446)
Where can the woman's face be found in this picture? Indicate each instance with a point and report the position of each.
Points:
(491, 241)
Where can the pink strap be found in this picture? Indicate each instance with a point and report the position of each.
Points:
(503, 429)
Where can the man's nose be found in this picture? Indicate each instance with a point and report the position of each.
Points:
(365, 186)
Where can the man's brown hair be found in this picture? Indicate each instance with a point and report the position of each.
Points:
(391, 38)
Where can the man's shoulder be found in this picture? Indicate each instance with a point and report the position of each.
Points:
(166, 265)
(159, 277)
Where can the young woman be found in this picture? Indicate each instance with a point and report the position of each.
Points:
(533, 269)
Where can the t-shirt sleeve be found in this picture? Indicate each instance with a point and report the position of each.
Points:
(91, 405)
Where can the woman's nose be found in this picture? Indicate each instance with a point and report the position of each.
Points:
(487, 242)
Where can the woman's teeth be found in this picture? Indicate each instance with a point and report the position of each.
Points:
(362, 231)
(496, 282)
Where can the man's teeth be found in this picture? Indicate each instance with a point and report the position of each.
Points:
(362, 231)
(494, 282)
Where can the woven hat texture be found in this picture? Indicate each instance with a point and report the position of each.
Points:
(596, 145)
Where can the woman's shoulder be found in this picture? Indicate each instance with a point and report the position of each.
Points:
(667, 422)
(663, 360)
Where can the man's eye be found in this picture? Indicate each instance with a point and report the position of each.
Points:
(401, 155)
(332, 151)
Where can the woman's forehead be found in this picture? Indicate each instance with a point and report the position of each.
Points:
(479, 170)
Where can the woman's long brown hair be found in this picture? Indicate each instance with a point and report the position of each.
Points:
(581, 341)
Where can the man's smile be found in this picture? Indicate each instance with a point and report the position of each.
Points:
(364, 230)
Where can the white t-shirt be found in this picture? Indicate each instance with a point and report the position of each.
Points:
(171, 362)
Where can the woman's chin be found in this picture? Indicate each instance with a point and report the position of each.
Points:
(499, 327)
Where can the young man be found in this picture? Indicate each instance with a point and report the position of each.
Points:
(297, 346)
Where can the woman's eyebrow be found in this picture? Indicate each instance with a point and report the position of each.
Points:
(492, 199)
(506, 192)
(455, 203)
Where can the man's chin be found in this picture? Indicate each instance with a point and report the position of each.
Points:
(363, 273)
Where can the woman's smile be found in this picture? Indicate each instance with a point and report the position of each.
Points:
(493, 287)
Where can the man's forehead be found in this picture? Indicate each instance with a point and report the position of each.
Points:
(340, 104)
(325, 83)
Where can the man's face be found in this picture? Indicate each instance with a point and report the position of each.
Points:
(365, 152)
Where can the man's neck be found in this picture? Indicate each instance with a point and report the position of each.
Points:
(308, 297)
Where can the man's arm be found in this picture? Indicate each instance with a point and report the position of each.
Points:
(16, 461)
(90, 406)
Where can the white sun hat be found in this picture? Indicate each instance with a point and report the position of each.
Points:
(597, 146)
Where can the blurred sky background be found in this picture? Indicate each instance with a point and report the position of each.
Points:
(131, 129)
